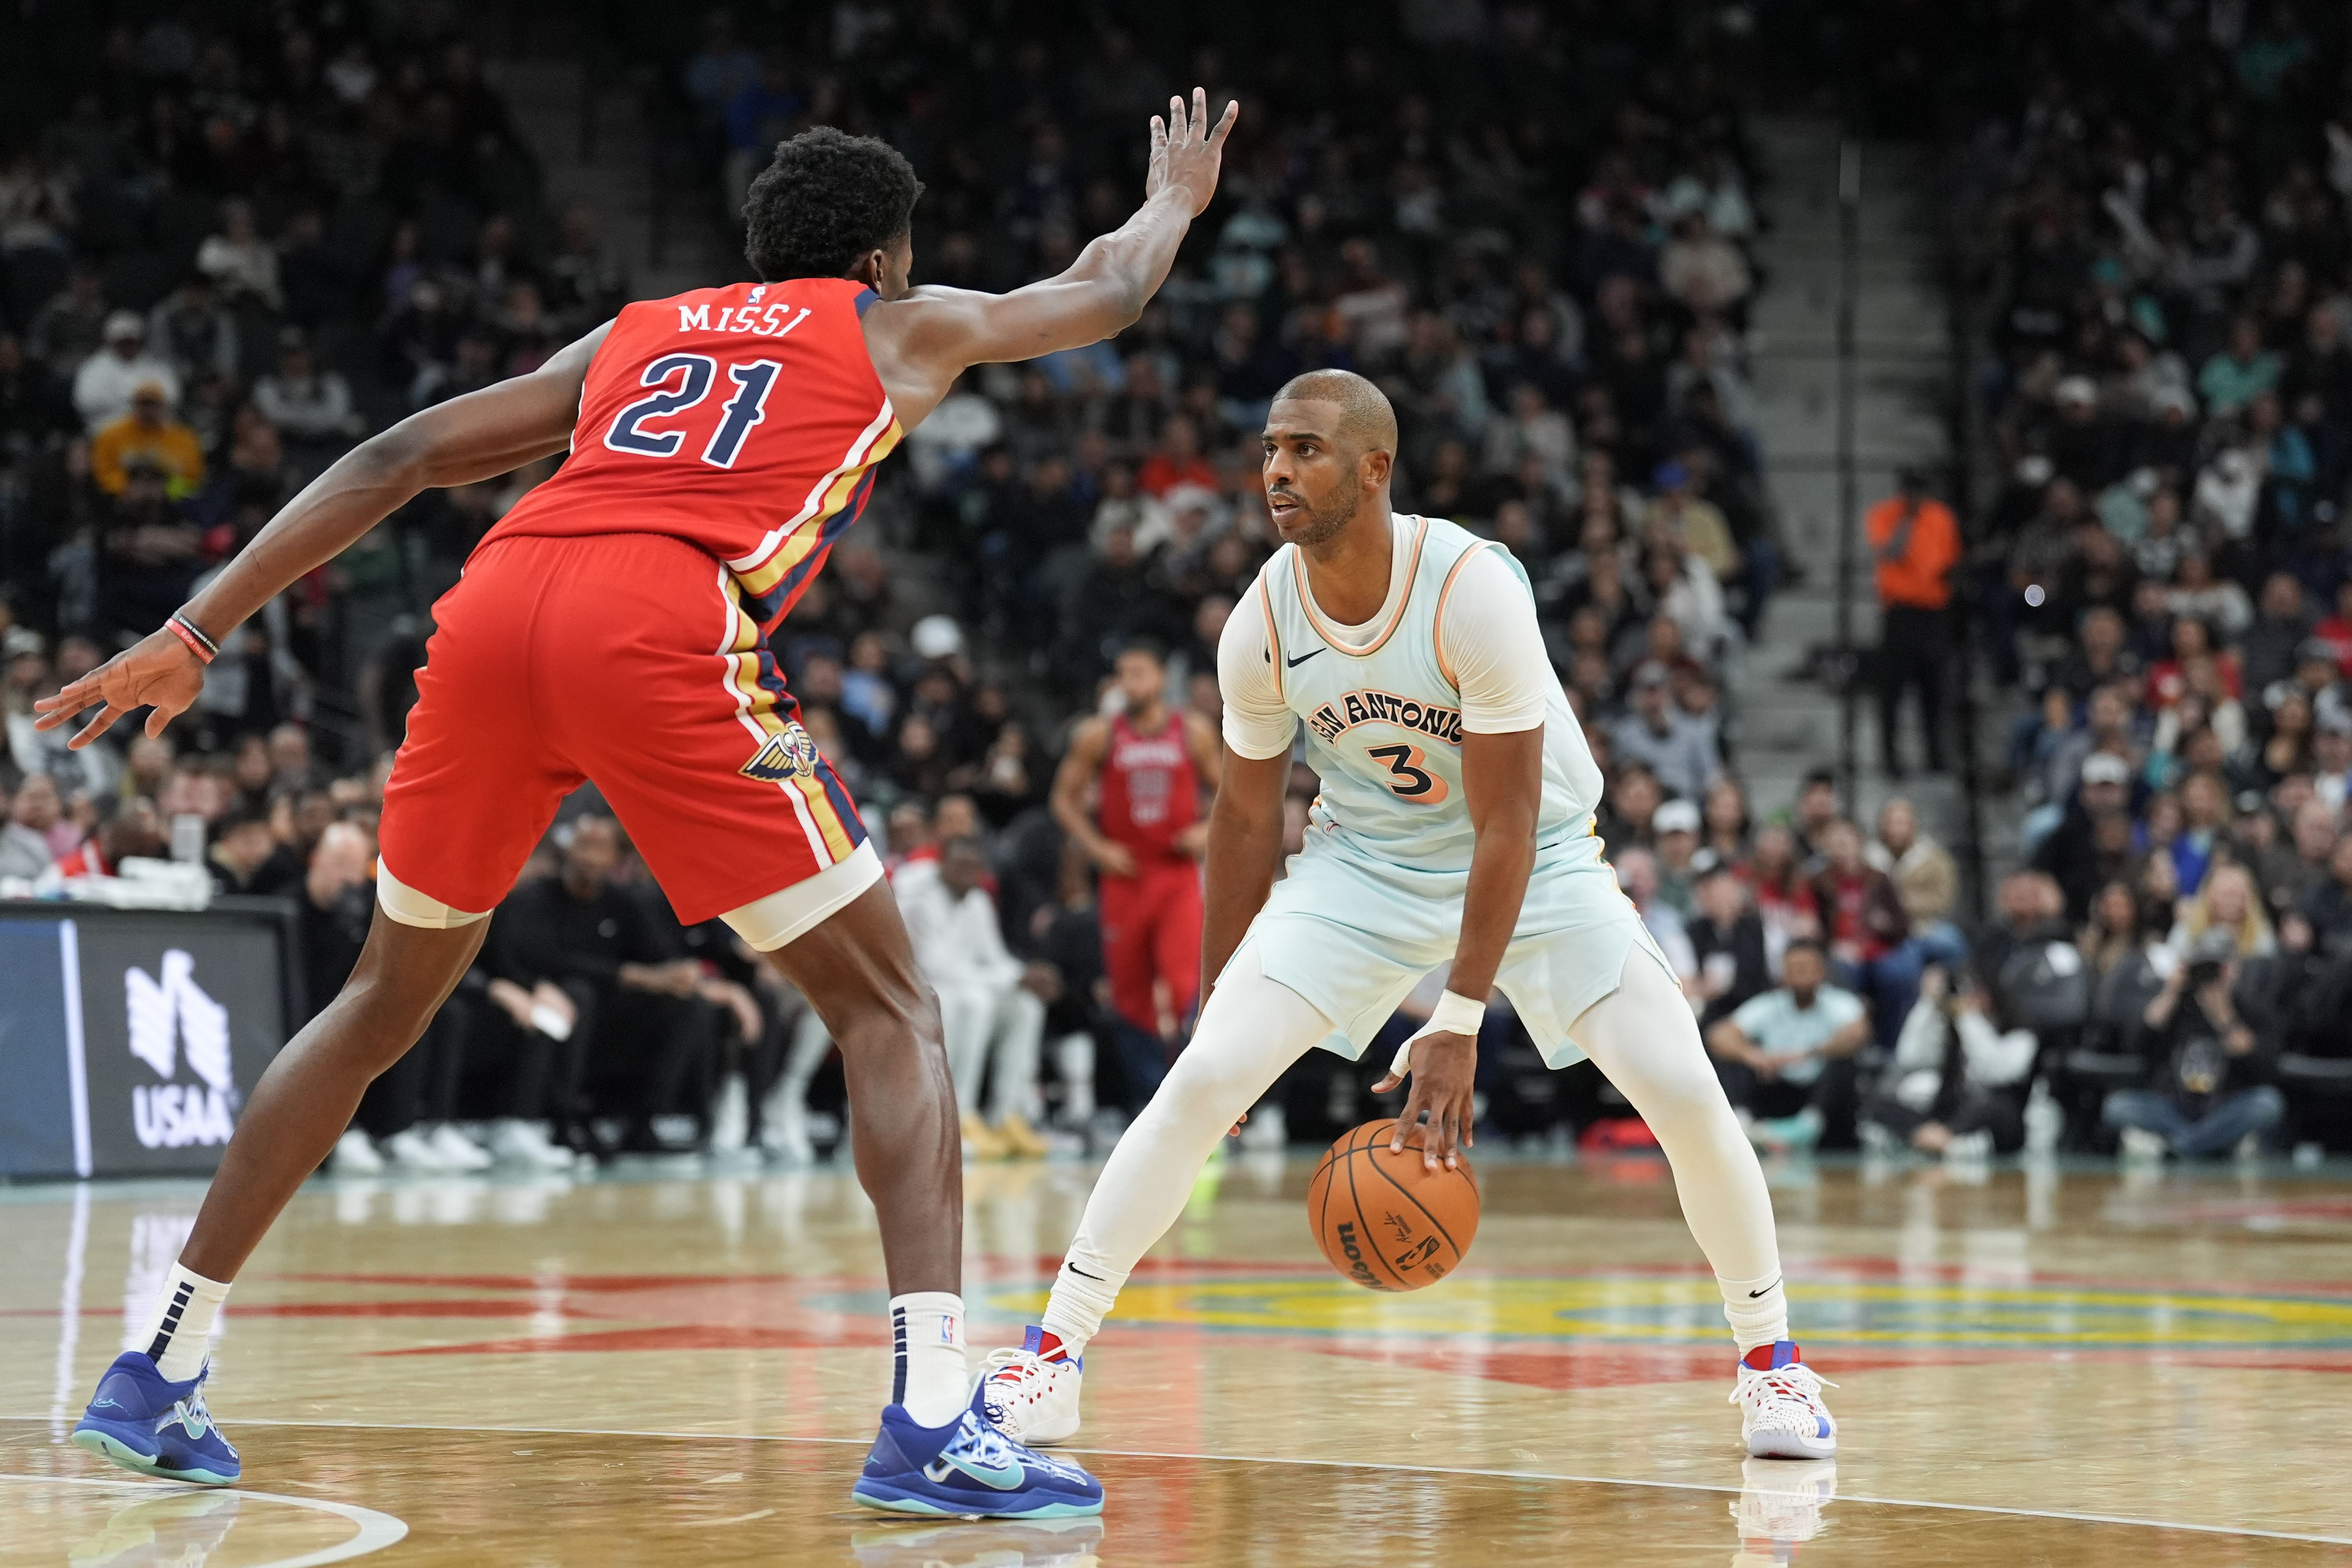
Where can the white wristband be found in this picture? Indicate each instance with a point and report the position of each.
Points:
(1454, 1015)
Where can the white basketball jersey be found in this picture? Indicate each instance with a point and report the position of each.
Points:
(1384, 718)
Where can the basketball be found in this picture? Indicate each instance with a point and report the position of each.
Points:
(1384, 1219)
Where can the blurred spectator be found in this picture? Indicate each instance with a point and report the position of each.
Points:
(1786, 1056)
(639, 1024)
(992, 1006)
(247, 858)
(2207, 1093)
(1916, 542)
(1957, 1083)
(1727, 938)
(147, 435)
(107, 381)
(33, 816)
(302, 401)
(1678, 751)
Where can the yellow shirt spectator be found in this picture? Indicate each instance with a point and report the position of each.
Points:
(147, 434)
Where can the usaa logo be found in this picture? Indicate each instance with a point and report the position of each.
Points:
(789, 753)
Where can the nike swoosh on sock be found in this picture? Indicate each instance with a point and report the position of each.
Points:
(1754, 1295)
(1082, 1273)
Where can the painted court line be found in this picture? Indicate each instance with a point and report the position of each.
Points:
(376, 1531)
(2055, 1514)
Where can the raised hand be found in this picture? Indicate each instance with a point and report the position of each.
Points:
(1185, 150)
(158, 672)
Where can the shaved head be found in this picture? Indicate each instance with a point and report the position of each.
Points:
(1367, 422)
(1321, 470)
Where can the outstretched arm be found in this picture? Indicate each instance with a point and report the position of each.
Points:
(476, 436)
(924, 339)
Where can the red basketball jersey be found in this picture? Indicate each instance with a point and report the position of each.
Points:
(1150, 793)
(745, 420)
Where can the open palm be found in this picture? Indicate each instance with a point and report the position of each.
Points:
(158, 672)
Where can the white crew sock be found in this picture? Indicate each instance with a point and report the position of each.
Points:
(930, 1378)
(1757, 1311)
(179, 1332)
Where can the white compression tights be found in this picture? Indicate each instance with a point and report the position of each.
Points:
(1642, 1036)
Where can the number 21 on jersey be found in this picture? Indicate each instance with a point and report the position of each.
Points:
(682, 381)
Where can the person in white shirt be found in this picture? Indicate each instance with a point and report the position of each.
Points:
(109, 379)
(1963, 1106)
(1776, 1052)
(991, 1011)
(305, 402)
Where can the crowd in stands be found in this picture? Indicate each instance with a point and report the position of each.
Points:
(229, 253)
(2162, 573)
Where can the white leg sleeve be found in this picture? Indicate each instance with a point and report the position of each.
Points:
(1020, 1036)
(1251, 1031)
(1643, 1037)
(965, 1016)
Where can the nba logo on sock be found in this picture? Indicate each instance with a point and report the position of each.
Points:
(789, 753)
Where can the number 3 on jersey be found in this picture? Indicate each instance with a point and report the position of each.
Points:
(694, 374)
(1407, 779)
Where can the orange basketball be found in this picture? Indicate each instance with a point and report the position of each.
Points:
(1384, 1220)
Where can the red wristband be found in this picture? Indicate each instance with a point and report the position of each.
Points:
(188, 634)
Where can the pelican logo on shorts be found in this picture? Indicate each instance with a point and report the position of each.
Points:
(789, 753)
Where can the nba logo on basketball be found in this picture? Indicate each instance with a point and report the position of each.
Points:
(789, 753)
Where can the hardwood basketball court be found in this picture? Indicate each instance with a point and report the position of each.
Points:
(2053, 1365)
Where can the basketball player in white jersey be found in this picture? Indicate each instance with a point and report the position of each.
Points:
(1456, 822)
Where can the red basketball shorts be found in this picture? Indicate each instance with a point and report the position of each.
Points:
(1151, 931)
(624, 658)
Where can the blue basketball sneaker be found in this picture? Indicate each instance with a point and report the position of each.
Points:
(968, 1467)
(154, 1427)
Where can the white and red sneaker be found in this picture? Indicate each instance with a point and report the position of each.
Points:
(1031, 1394)
(1780, 1411)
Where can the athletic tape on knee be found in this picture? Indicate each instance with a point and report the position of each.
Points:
(411, 908)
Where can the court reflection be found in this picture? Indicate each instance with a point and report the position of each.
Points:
(180, 1529)
(1780, 1507)
(1047, 1543)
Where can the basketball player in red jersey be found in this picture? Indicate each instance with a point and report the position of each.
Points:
(615, 626)
(1145, 839)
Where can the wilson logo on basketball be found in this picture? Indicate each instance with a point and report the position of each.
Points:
(1383, 1218)
(1357, 1267)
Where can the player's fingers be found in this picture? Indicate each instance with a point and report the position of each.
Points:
(1176, 126)
(96, 727)
(1387, 1084)
(1201, 113)
(1226, 123)
(1407, 1119)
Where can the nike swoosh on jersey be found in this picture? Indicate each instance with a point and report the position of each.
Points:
(1302, 659)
